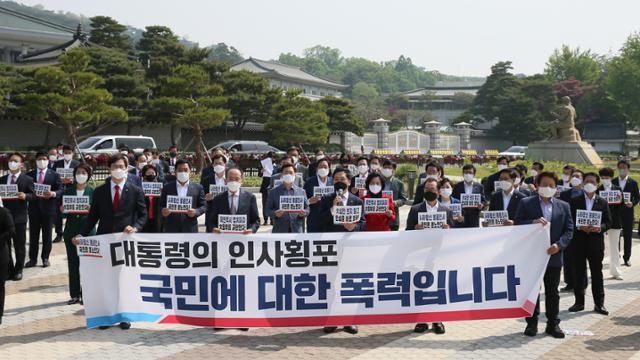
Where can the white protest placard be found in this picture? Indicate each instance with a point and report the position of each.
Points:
(9, 192)
(627, 197)
(65, 173)
(388, 193)
(152, 189)
(267, 165)
(432, 220)
(456, 209)
(560, 189)
(41, 189)
(217, 189)
(496, 185)
(75, 204)
(470, 200)
(232, 223)
(277, 182)
(172, 169)
(321, 191)
(359, 182)
(612, 196)
(376, 205)
(495, 218)
(179, 204)
(293, 203)
(347, 214)
(588, 218)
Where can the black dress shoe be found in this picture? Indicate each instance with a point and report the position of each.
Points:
(531, 330)
(30, 264)
(351, 329)
(243, 329)
(125, 325)
(576, 307)
(567, 289)
(17, 277)
(73, 301)
(329, 329)
(45, 263)
(627, 263)
(420, 328)
(103, 327)
(57, 239)
(601, 310)
(555, 331)
(81, 302)
(438, 328)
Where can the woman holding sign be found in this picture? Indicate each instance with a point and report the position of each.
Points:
(154, 223)
(446, 198)
(379, 211)
(74, 198)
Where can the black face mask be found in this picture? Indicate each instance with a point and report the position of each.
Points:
(150, 178)
(430, 196)
(340, 187)
(173, 154)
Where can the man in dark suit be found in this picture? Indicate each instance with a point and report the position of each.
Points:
(489, 188)
(536, 168)
(567, 171)
(470, 186)
(628, 185)
(234, 201)
(283, 221)
(432, 170)
(117, 206)
(67, 162)
(340, 197)
(321, 179)
(314, 164)
(508, 198)
(396, 186)
(588, 244)
(544, 209)
(188, 222)
(171, 161)
(19, 211)
(42, 210)
(613, 234)
(7, 230)
(217, 159)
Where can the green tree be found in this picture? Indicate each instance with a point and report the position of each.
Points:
(623, 78)
(365, 94)
(160, 50)
(297, 120)
(68, 97)
(107, 32)
(567, 63)
(342, 116)
(225, 53)
(500, 83)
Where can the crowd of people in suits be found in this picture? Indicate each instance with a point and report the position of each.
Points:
(119, 204)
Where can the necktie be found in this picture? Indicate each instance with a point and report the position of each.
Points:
(13, 179)
(41, 178)
(116, 198)
(151, 207)
(233, 204)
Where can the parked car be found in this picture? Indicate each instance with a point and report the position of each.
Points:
(514, 152)
(248, 147)
(109, 144)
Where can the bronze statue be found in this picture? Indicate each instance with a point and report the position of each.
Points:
(563, 128)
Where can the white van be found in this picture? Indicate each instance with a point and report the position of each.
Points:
(109, 144)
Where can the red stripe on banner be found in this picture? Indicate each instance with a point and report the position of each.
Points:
(529, 306)
(349, 319)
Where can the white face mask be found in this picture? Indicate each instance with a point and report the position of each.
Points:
(323, 172)
(233, 186)
(505, 185)
(294, 159)
(362, 169)
(565, 177)
(622, 172)
(534, 173)
(446, 192)
(14, 165)
(547, 192)
(606, 182)
(118, 174)
(155, 161)
(375, 189)
(141, 165)
(68, 157)
(468, 177)
(288, 178)
(81, 178)
(319, 157)
(386, 172)
(516, 182)
(590, 188)
(182, 177)
(42, 164)
(53, 157)
(375, 167)
(218, 169)
(502, 167)
(575, 181)
(432, 177)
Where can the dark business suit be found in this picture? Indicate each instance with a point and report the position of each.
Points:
(498, 204)
(60, 164)
(19, 212)
(7, 230)
(42, 213)
(313, 220)
(589, 247)
(326, 217)
(206, 182)
(489, 187)
(412, 218)
(182, 223)
(131, 210)
(626, 214)
(471, 215)
(561, 233)
(247, 205)
(288, 222)
(154, 215)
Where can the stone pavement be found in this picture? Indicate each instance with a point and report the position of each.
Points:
(39, 325)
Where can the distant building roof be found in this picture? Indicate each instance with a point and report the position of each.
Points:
(276, 69)
(50, 55)
(447, 88)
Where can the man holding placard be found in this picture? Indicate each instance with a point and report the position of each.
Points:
(396, 187)
(316, 187)
(592, 218)
(233, 204)
(628, 186)
(508, 198)
(287, 204)
(182, 202)
(64, 167)
(42, 210)
(471, 195)
(613, 234)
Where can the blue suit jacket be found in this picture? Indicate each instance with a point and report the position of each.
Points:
(181, 223)
(288, 222)
(313, 221)
(561, 223)
(471, 216)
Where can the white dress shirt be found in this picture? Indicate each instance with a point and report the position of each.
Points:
(506, 198)
(468, 188)
(113, 188)
(182, 189)
(11, 175)
(589, 202)
(623, 182)
(219, 180)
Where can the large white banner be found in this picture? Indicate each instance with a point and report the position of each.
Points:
(266, 280)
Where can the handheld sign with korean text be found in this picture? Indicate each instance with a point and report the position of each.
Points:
(470, 200)
(41, 189)
(321, 191)
(152, 189)
(456, 209)
(65, 173)
(217, 189)
(612, 197)
(627, 197)
(496, 185)
(346, 214)
(232, 223)
(495, 218)
(75, 204)
(588, 218)
(277, 183)
(560, 189)
(388, 193)
(179, 204)
(359, 183)
(376, 206)
(292, 203)
(9, 192)
(432, 220)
